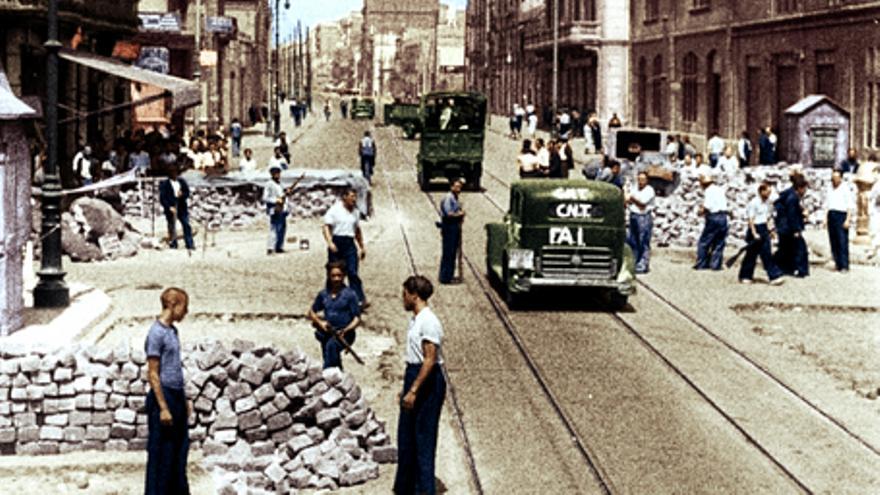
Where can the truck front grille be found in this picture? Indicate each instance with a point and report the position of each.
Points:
(566, 262)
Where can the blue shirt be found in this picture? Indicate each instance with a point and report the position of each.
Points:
(339, 311)
(449, 205)
(163, 343)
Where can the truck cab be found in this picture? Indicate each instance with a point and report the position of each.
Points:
(452, 132)
(362, 108)
(404, 115)
(561, 233)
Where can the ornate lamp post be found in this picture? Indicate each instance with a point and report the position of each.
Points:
(275, 105)
(51, 291)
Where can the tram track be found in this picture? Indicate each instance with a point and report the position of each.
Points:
(590, 457)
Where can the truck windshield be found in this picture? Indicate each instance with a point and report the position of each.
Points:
(453, 114)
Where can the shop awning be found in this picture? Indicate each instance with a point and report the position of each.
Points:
(183, 92)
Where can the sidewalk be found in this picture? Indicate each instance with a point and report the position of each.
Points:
(263, 146)
(498, 124)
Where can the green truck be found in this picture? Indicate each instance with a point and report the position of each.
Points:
(404, 115)
(451, 145)
(561, 233)
(362, 108)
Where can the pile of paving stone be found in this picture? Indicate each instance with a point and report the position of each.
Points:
(92, 231)
(676, 217)
(264, 419)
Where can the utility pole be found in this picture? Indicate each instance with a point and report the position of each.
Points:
(300, 59)
(308, 70)
(51, 291)
(197, 70)
(555, 66)
(294, 64)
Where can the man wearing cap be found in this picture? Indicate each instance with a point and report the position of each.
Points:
(273, 199)
(710, 248)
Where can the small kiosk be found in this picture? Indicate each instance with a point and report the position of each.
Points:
(815, 132)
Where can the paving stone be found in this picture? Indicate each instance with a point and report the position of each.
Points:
(326, 484)
(56, 420)
(99, 401)
(199, 378)
(240, 346)
(121, 386)
(226, 436)
(214, 447)
(356, 418)
(264, 393)
(116, 445)
(211, 391)
(24, 419)
(29, 364)
(115, 401)
(252, 375)
(140, 444)
(333, 376)
(226, 419)
(74, 434)
(263, 448)
(204, 404)
(255, 434)
(18, 407)
(126, 416)
(138, 357)
(310, 456)
(51, 390)
(318, 389)
(62, 375)
(123, 431)
(137, 387)
(7, 435)
(83, 401)
(42, 378)
(129, 371)
(293, 392)
(354, 394)
(346, 384)
(359, 472)
(101, 385)
(300, 478)
(102, 418)
(384, 454)
(137, 403)
(279, 421)
(28, 433)
(281, 402)
(21, 381)
(377, 439)
(198, 433)
(219, 376)
(298, 443)
(143, 431)
(316, 434)
(80, 418)
(245, 404)
(275, 472)
(249, 420)
(328, 418)
(19, 394)
(38, 448)
(93, 445)
(9, 366)
(268, 410)
(281, 436)
(238, 390)
(35, 392)
(51, 433)
(331, 397)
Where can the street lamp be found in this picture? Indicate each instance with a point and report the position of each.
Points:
(51, 291)
(276, 114)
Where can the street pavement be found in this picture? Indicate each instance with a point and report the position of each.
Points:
(669, 407)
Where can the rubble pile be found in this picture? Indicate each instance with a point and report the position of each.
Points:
(263, 419)
(676, 217)
(92, 230)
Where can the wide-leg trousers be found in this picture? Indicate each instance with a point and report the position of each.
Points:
(417, 433)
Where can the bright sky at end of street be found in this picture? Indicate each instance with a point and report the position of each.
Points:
(313, 12)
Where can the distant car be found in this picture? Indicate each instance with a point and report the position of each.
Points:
(405, 115)
(362, 108)
(562, 233)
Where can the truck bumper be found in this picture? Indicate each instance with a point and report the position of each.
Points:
(524, 284)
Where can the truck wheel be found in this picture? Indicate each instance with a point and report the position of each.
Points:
(474, 183)
(423, 180)
(617, 301)
(512, 299)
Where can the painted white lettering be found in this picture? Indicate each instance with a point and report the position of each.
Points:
(561, 235)
(574, 210)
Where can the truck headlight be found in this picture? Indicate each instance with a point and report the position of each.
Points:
(521, 259)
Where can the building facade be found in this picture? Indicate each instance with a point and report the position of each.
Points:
(701, 66)
(509, 51)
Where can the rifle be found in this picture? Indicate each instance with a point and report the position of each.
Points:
(279, 203)
(337, 334)
(730, 261)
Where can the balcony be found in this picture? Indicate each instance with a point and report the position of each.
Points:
(121, 14)
(571, 34)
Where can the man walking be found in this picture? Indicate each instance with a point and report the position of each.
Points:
(840, 204)
(367, 152)
(174, 198)
(641, 207)
(273, 198)
(791, 255)
(345, 242)
(451, 216)
(167, 407)
(424, 390)
(758, 239)
(710, 248)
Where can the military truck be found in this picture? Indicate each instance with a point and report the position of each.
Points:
(561, 233)
(404, 115)
(453, 128)
(362, 108)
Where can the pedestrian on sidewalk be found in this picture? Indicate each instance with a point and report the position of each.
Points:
(555, 170)
(710, 248)
(278, 160)
(345, 241)
(840, 203)
(341, 315)
(596, 132)
(367, 153)
(519, 114)
(281, 143)
(343, 108)
(527, 161)
(174, 197)
(451, 218)
(543, 155)
(641, 221)
(532, 118)
(274, 199)
(424, 390)
(766, 148)
(758, 239)
(168, 410)
(791, 254)
(327, 110)
(744, 149)
(235, 132)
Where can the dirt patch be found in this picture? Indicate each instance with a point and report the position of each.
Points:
(841, 341)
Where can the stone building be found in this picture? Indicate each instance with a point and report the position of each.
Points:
(701, 67)
(386, 25)
(509, 48)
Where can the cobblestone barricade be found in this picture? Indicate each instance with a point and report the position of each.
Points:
(263, 419)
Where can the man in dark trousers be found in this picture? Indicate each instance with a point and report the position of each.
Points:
(167, 408)
(341, 315)
(345, 241)
(766, 148)
(840, 203)
(451, 217)
(758, 239)
(791, 255)
(174, 196)
(367, 152)
(424, 390)
(710, 247)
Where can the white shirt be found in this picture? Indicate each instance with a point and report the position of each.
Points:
(840, 198)
(741, 148)
(277, 162)
(716, 145)
(272, 191)
(423, 326)
(704, 170)
(672, 149)
(565, 119)
(533, 122)
(528, 162)
(645, 196)
(246, 164)
(519, 111)
(715, 200)
(544, 157)
(175, 186)
(530, 109)
(341, 221)
(758, 210)
(728, 166)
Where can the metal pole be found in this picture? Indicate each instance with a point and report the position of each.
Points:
(197, 71)
(555, 66)
(51, 291)
(277, 113)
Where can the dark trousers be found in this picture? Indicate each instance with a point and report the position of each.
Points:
(713, 159)
(183, 216)
(639, 239)
(791, 256)
(332, 349)
(367, 164)
(417, 433)
(347, 252)
(838, 237)
(451, 233)
(277, 229)
(759, 247)
(710, 248)
(167, 446)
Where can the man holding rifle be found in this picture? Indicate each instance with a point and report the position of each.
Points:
(335, 331)
(274, 198)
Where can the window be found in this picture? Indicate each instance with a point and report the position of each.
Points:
(657, 88)
(584, 10)
(700, 4)
(788, 6)
(826, 76)
(689, 88)
(652, 10)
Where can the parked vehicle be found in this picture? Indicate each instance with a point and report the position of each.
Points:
(362, 108)
(404, 115)
(453, 129)
(562, 233)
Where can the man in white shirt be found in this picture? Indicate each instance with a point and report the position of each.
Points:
(728, 164)
(671, 148)
(758, 239)
(247, 163)
(139, 160)
(715, 147)
(82, 165)
(278, 160)
(424, 389)
(840, 204)
(533, 121)
(710, 248)
(543, 155)
(641, 207)
(273, 199)
(345, 241)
